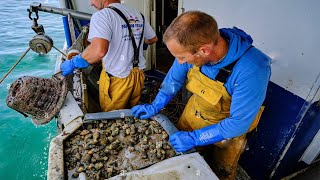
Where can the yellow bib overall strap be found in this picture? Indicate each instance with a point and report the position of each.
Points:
(120, 93)
(210, 104)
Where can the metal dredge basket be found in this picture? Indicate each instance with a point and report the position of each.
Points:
(39, 97)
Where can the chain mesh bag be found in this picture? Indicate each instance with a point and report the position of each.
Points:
(39, 97)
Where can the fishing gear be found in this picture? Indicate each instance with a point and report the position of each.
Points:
(42, 98)
(40, 43)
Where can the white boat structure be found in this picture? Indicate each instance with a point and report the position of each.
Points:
(287, 141)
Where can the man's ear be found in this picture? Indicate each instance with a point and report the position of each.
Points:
(204, 50)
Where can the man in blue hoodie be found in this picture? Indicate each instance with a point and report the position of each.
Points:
(228, 78)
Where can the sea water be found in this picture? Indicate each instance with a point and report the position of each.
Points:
(24, 147)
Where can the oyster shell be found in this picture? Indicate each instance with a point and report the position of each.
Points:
(103, 149)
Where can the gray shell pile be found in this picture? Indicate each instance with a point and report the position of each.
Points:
(104, 149)
(39, 97)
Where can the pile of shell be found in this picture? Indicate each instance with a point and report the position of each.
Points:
(103, 149)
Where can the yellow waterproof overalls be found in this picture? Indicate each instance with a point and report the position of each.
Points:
(120, 93)
(210, 104)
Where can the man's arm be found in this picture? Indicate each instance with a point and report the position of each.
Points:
(151, 41)
(92, 54)
(96, 50)
(170, 86)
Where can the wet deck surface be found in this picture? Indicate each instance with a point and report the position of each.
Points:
(311, 173)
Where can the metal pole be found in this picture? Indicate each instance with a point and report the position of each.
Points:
(65, 56)
(61, 11)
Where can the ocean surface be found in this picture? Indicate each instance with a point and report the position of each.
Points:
(24, 147)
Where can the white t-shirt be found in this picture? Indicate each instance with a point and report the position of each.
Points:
(108, 24)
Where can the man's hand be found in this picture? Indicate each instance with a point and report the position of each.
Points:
(147, 110)
(68, 66)
(143, 111)
(183, 141)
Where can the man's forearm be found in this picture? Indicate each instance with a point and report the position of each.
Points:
(90, 55)
(151, 41)
(95, 51)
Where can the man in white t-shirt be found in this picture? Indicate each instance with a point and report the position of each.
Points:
(120, 83)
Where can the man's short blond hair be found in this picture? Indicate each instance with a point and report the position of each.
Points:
(192, 29)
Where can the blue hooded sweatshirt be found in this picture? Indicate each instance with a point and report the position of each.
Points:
(247, 85)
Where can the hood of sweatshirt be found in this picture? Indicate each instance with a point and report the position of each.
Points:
(239, 43)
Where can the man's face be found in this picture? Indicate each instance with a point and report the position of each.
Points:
(98, 4)
(185, 56)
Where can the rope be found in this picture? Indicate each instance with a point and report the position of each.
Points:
(65, 56)
(24, 54)
(5, 76)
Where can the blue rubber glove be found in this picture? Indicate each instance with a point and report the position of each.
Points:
(144, 111)
(68, 66)
(148, 110)
(183, 141)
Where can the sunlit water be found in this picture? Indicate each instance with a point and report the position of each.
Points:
(23, 146)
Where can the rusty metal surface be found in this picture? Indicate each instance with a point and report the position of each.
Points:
(41, 98)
